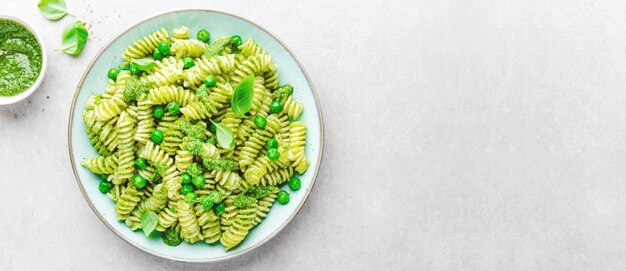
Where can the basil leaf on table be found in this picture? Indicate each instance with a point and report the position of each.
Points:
(241, 101)
(53, 10)
(148, 222)
(224, 136)
(74, 38)
(143, 64)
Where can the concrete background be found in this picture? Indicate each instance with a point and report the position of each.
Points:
(460, 135)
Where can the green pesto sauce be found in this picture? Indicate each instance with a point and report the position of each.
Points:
(20, 65)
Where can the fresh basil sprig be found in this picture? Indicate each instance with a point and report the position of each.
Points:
(224, 136)
(143, 64)
(241, 101)
(53, 10)
(74, 38)
(148, 222)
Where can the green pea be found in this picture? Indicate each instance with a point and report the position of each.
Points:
(134, 70)
(138, 181)
(273, 154)
(212, 128)
(157, 55)
(283, 197)
(272, 143)
(191, 198)
(210, 81)
(103, 177)
(219, 208)
(156, 136)
(164, 48)
(173, 108)
(185, 178)
(141, 163)
(276, 106)
(186, 189)
(113, 72)
(260, 122)
(294, 183)
(203, 35)
(105, 187)
(236, 40)
(188, 62)
(211, 140)
(198, 181)
(158, 112)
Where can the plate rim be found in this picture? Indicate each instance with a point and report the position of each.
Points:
(165, 256)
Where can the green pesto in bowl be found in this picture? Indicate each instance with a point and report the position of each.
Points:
(20, 58)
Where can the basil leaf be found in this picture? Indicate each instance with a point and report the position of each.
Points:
(143, 64)
(74, 38)
(241, 101)
(224, 136)
(148, 222)
(53, 9)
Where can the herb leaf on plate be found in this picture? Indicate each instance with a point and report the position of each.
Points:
(224, 136)
(143, 64)
(148, 222)
(241, 101)
(53, 10)
(74, 38)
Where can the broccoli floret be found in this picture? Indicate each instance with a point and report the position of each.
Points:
(194, 170)
(171, 238)
(283, 92)
(194, 131)
(242, 200)
(220, 163)
(218, 46)
(135, 89)
(258, 192)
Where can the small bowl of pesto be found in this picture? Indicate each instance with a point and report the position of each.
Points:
(22, 60)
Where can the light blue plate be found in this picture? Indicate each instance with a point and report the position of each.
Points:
(218, 23)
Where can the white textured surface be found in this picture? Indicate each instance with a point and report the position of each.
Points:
(460, 135)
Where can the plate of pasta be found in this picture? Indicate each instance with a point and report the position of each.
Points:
(195, 135)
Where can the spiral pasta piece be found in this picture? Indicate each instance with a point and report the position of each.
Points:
(110, 108)
(126, 153)
(127, 202)
(165, 74)
(264, 204)
(277, 177)
(195, 111)
(293, 108)
(256, 142)
(255, 65)
(170, 93)
(181, 33)
(189, 228)
(208, 65)
(183, 160)
(157, 200)
(167, 217)
(146, 123)
(209, 223)
(228, 179)
(271, 79)
(190, 48)
(146, 45)
(100, 164)
(230, 212)
(240, 227)
(250, 48)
